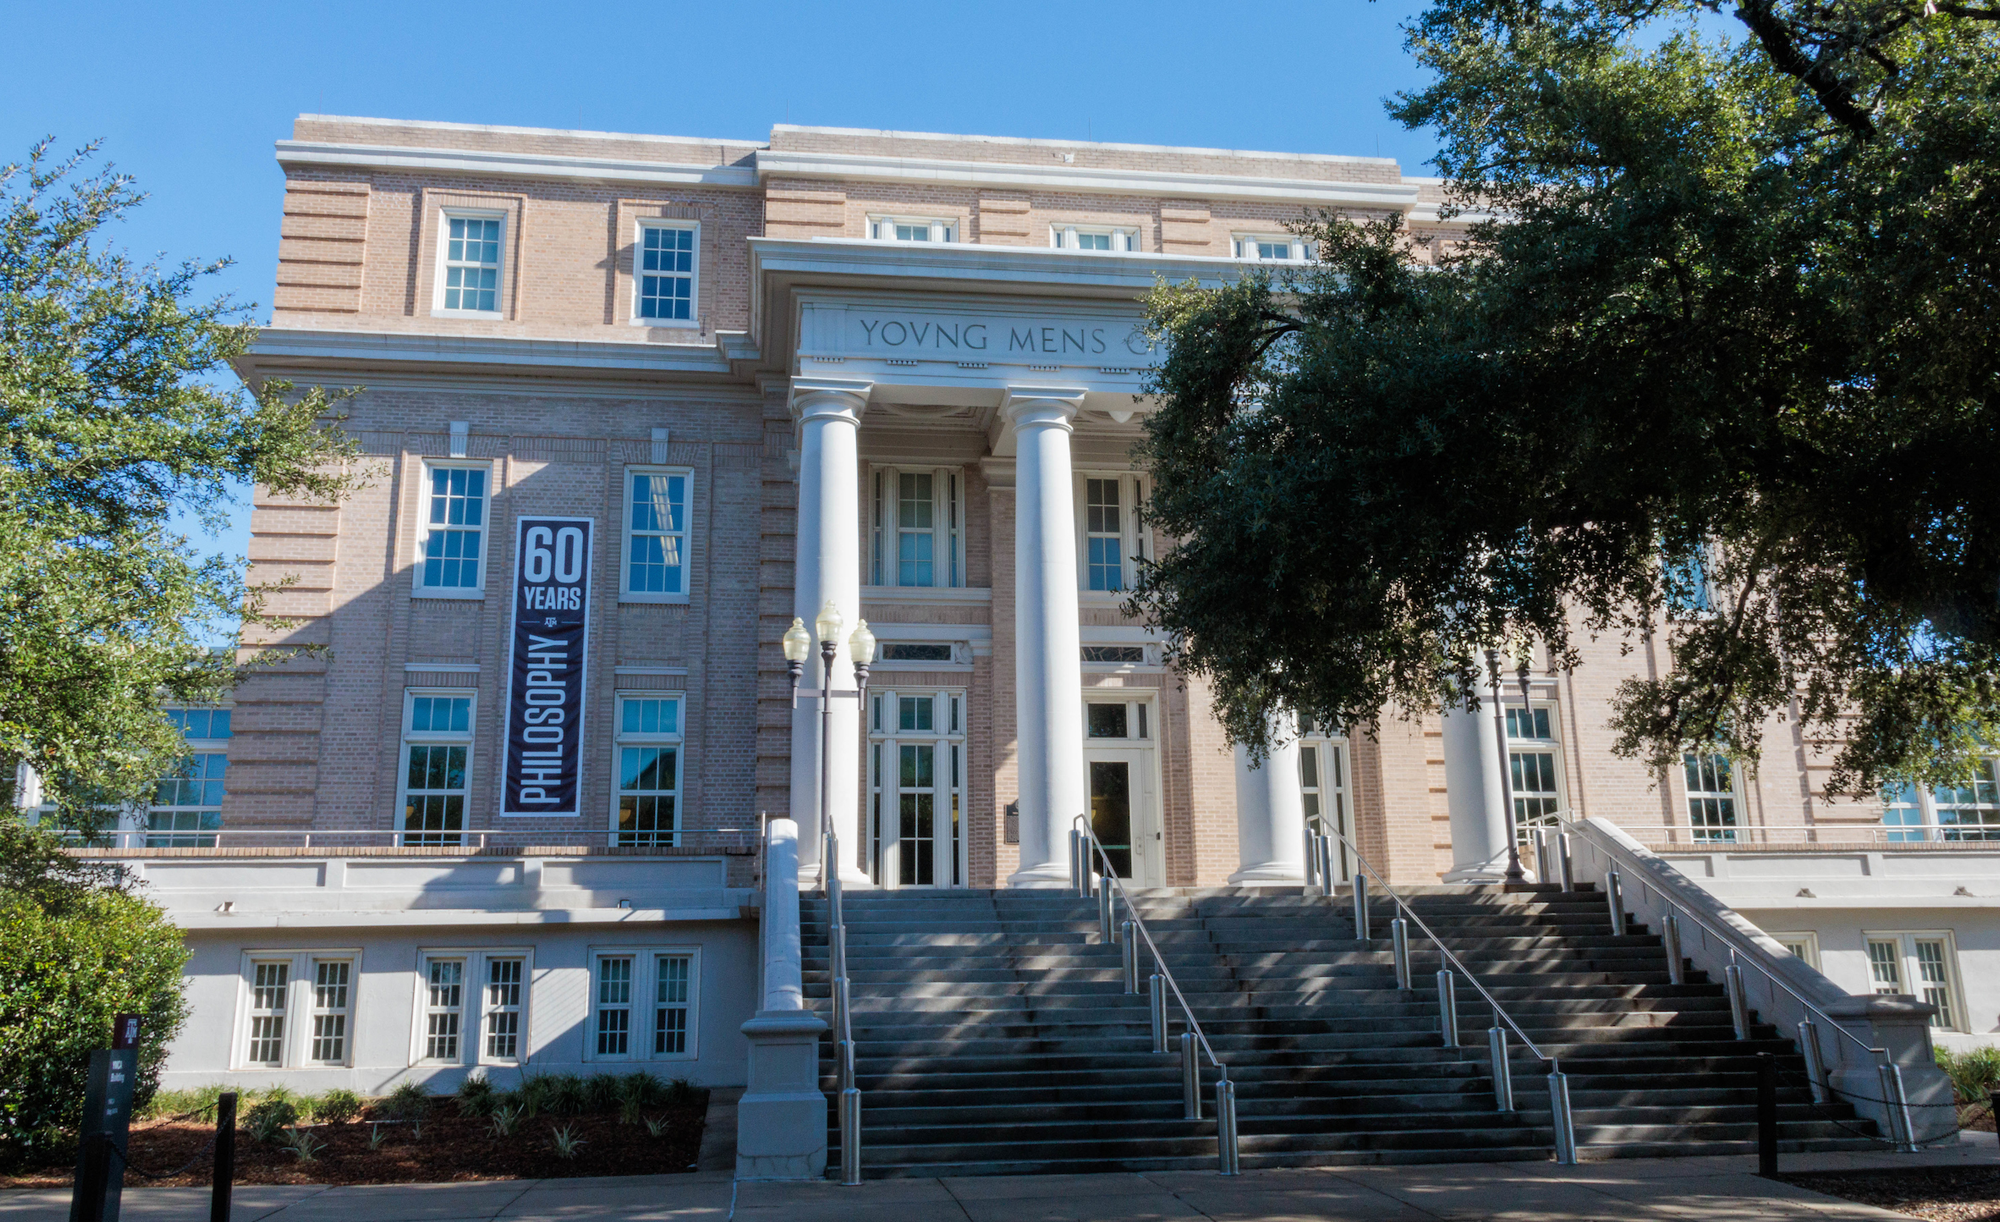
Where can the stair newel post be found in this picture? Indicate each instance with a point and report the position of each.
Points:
(1328, 881)
(1901, 1128)
(1361, 907)
(1159, 1008)
(1670, 935)
(1815, 1068)
(850, 1132)
(843, 1048)
(1448, 1007)
(1561, 1117)
(1106, 903)
(1503, 1072)
(1739, 1005)
(1312, 858)
(1226, 1153)
(1190, 1077)
(1131, 960)
(1563, 863)
(1767, 1114)
(1614, 901)
(1399, 944)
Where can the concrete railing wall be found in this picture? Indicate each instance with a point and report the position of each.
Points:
(781, 1121)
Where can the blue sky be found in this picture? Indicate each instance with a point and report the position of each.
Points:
(189, 97)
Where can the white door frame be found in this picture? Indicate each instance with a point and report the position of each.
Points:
(1143, 756)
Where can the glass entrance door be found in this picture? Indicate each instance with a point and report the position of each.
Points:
(1121, 766)
(1111, 812)
(913, 825)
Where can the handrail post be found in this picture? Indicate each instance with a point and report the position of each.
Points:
(1190, 1078)
(840, 950)
(1560, 1114)
(1563, 863)
(843, 1048)
(1739, 1005)
(850, 1137)
(1131, 960)
(1670, 935)
(1614, 900)
(1399, 947)
(1448, 1007)
(1328, 879)
(1542, 871)
(1361, 907)
(1815, 1068)
(1312, 857)
(1225, 1126)
(1503, 1072)
(1902, 1130)
(1159, 1008)
(1104, 909)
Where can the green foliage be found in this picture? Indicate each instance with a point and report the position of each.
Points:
(302, 1144)
(566, 1141)
(115, 415)
(476, 1096)
(337, 1106)
(1737, 315)
(604, 1090)
(77, 948)
(683, 1093)
(376, 1137)
(566, 1096)
(1973, 1073)
(504, 1120)
(198, 1102)
(410, 1101)
(269, 1116)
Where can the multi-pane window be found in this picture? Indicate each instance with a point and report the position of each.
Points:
(444, 1008)
(916, 788)
(1969, 810)
(1903, 813)
(670, 1004)
(648, 743)
(1885, 966)
(1934, 979)
(472, 264)
(270, 983)
(1803, 946)
(656, 535)
(664, 277)
(1268, 248)
(1896, 961)
(1711, 796)
(454, 530)
(918, 536)
(1323, 786)
(503, 1009)
(614, 1006)
(1110, 539)
(437, 743)
(330, 1008)
(1069, 237)
(912, 229)
(1534, 761)
(186, 810)
(1688, 591)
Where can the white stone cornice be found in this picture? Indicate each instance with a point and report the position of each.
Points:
(1092, 180)
(489, 164)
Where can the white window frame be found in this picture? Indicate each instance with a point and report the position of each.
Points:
(947, 529)
(1135, 538)
(296, 1039)
(1804, 946)
(445, 217)
(317, 1012)
(644, 1002)
(473, 1008)
(1330, 789)
(488, 1010)
(1701, 833)
(1553, 744)
(418, 587)
(198, 836)
(450, 738)
(622, 739)
(950, 770)
(1243, 246)
(1912, 983)
(1929, 824)
(684, 536)
(693, 320)
(882, 228)
(1124, 238)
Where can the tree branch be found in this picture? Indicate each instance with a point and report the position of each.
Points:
(1832, 92)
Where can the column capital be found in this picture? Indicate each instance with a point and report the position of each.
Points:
(823, 397)
(1047, 406)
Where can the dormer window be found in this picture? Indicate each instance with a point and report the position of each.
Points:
(1088, 237)
(1271, 248)
(911, 229)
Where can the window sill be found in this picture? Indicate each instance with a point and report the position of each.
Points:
(656, 600)
(487, 315)
(448, 595)
(926, 594)
(667, 324)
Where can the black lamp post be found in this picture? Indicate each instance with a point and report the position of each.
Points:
(861, 648)
(1514, 872)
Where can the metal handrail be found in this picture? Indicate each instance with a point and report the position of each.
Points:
(849, 1102)
(1499, 1011)
(1159, 960)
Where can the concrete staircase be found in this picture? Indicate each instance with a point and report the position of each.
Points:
(993, 1035)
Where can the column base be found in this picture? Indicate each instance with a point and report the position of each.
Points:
(781, 1119)
(1269, 874)
(1493, 870)
(1050, 876)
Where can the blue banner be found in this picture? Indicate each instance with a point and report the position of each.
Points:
(545, 678)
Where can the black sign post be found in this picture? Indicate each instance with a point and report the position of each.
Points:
(107, 1118)
(544, 751)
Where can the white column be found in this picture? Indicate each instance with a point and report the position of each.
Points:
(1271, 812)
(828, 568)
(1475, 796)
(1048, 658)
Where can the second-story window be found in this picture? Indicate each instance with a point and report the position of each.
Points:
(471, 281)
(453, 559)
(1073, 237)
(1711, 796)
(186, 809)
(918, 538)
(1270, 248)
(1111, 540)
(649, 770)
(911, 229)
(663, 279)
(437, 744)
(1535, 763)
(656, 535)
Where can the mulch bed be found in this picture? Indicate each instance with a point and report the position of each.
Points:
(448, 1148)
(1940, 1194)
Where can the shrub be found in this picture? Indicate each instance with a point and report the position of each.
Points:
(79, 948)
(302, 1145)
(604, 1091)
(566, 1142)
(504, 1120)
(337, 1106)
(476, 1096)
(198, 1103)
(683, 1093)
(269, 1116)
(643, 1089)
(533, 1096)
(1973, 1073)
(567, 1095)
(409, 1101)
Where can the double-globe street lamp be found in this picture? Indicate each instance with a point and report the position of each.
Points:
(1514, 871)
(861, 649)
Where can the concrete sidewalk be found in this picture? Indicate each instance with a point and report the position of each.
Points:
(1624, 1190)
